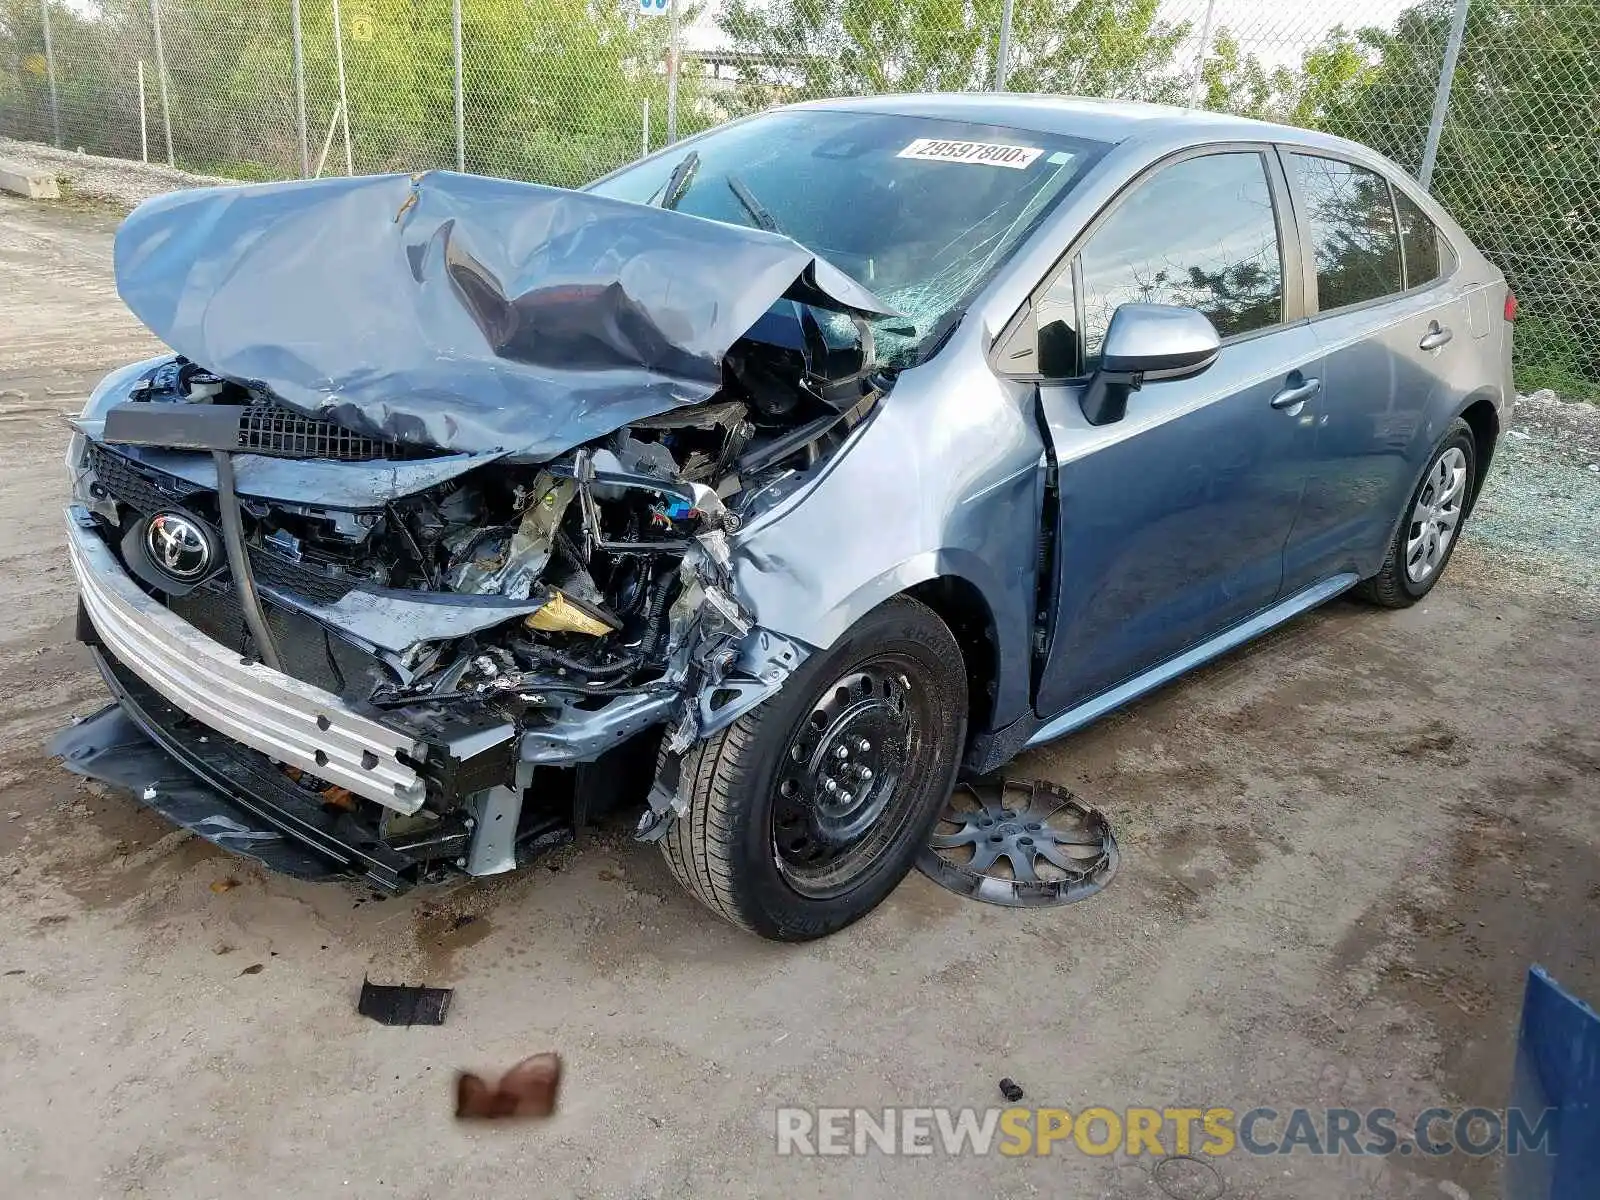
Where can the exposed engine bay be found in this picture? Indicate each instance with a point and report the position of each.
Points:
(618, 543)
(598, 581)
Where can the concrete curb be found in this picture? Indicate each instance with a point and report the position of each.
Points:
(32, 184)
(122, 182)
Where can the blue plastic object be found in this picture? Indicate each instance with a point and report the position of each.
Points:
(1557, 1079)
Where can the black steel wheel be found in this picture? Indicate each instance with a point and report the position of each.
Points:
(839, 799)
(806, 812)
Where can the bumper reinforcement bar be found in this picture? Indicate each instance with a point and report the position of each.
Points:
(250, 800)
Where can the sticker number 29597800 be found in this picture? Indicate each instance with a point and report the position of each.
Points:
(985, 154)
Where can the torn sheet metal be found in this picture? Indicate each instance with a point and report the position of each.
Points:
(456, 311)
(325, 482)
(395, 621)
(765, 660)
(512, 567)
(722, 663)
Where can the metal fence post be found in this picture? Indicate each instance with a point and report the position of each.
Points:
(672, 71)
(1198, 87)
(144, 131)
(461, 103)
(344, 100)
(50, 71)
(644, 126)
(300, 89)
(1002, 54)
(1441, 98)
(161, 79)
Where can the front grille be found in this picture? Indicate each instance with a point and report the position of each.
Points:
(148, 491)
(275, 571)
(308, 651)
(142, 488)
(267, 428)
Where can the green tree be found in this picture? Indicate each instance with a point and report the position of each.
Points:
(806, 49)
(24, 90)
(1331, 72)
(553, 89)
(1519, 160)
(96, 77)
(581, 71)
(1237, 82)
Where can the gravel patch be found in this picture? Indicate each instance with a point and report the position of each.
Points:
(1571, 428)
(1536, 527)
(115, 181)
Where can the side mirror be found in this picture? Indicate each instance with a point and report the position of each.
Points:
(1147, 342)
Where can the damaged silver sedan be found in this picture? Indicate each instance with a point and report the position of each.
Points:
(752, 491)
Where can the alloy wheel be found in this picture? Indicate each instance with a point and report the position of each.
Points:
(1436, 515)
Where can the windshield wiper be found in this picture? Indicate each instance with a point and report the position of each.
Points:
(678, 181)
(758, 211)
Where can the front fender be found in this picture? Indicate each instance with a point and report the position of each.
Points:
(786, 612)
(945, 480)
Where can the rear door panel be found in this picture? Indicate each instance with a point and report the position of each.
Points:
(1395, 368)
(1383, 401)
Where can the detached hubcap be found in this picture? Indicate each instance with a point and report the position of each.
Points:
(1436, 515)
(839, 796)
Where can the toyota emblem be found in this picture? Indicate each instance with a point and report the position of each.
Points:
(179, 546)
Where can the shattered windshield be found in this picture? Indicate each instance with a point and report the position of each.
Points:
(919, 211)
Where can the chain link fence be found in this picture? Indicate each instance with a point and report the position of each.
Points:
(1494, 103)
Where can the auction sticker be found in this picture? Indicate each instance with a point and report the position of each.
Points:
(983, 154)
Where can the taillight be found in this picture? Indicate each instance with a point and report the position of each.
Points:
(1511, 305)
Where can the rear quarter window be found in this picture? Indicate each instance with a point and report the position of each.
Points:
(1428, 255)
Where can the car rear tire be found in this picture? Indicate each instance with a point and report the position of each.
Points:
(806, 812)
(1431, 524)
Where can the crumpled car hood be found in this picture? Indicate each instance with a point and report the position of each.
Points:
(457, 311)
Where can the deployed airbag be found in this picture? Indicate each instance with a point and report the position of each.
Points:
(457, 311)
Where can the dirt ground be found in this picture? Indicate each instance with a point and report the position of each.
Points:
(1342, 848)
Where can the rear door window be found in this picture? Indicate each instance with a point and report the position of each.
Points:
(1352, 229)
(1201, 233)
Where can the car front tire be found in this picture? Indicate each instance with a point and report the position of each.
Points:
(1431, 524)
(806, 812)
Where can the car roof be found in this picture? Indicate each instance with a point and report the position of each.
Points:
(1076, 116)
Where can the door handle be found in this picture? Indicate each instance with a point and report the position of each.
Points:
(1291, 396)
(1434, 338)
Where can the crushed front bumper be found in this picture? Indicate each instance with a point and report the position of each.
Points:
(219, 791)
(204, 737)
(290, 721)
(224, 738)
